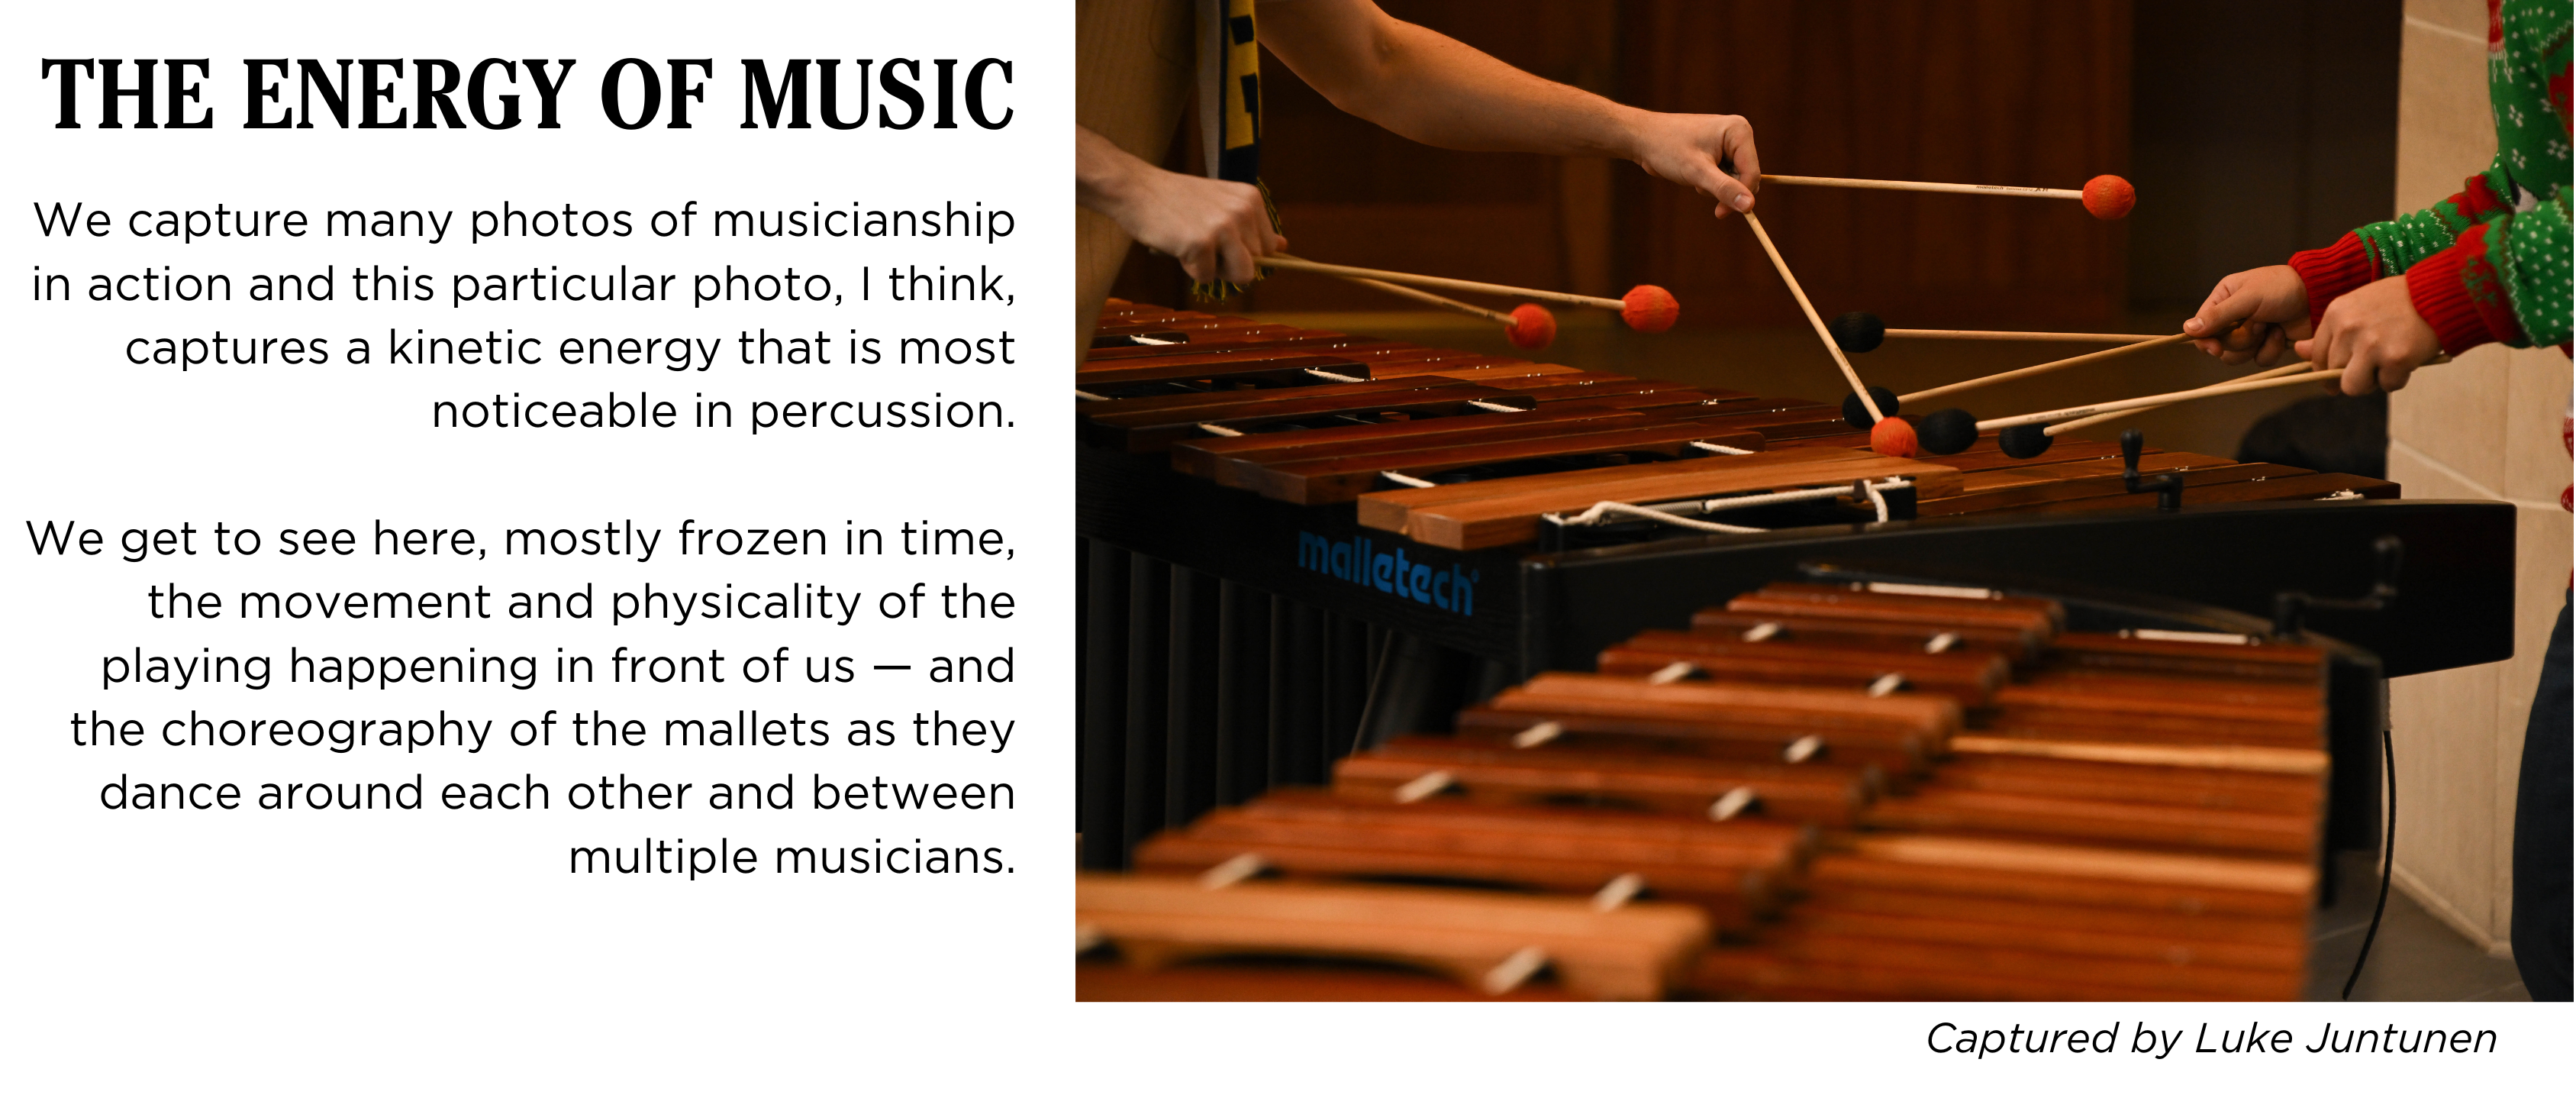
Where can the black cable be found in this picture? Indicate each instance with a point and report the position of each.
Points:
(2388, 861)
(1368, 706)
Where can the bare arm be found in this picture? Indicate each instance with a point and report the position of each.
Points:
(1215, 228)
(1437, 90)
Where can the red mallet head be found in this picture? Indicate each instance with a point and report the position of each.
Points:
(1650, 309)
(1532, 327)
(2109, 197)
(1892, 436)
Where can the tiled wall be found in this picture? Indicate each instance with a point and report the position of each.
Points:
(2484, 426)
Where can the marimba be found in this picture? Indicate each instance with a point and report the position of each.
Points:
(1839, 792)
(1298, 544)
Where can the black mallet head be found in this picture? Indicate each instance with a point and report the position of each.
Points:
(1857, 332)
(1858, 415)
(2025, 442)
(1944, 432)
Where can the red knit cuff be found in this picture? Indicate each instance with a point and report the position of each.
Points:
(2331, 272)
(2456, 292)
(2434, 285)
(2476, 199)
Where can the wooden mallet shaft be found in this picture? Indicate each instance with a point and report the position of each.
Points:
(2295, 368)
(1283, 262)
(2146, 401)
(2096, 420)
(1926, 187)
(1435, 300)
(2013, 336)
(2045, 367)
(1813, 320)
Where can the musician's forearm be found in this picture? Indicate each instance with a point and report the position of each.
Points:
(1456, 97)
(1432, 88)
(1105, 176)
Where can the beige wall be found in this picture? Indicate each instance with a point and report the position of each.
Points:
(2485, 426)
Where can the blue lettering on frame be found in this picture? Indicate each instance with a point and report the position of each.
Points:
(1356, 560)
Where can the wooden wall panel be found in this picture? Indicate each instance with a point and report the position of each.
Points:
(2017, 92)
(2004, 91)
(2274, 137)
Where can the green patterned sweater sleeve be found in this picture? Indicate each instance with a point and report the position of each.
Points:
(2397, 245)
(2532, 268)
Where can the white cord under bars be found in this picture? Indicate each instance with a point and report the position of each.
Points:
(1670, 513)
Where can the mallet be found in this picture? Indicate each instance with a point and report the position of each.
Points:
(1861, 332)
(1529, 326)
(1646, 308)
(2286, 370)
(2095, 420)
(2108, 197)
(2234, 338)
(1888, 434)
(2025, 436)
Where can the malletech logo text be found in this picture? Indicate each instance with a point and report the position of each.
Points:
(1357, 560)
